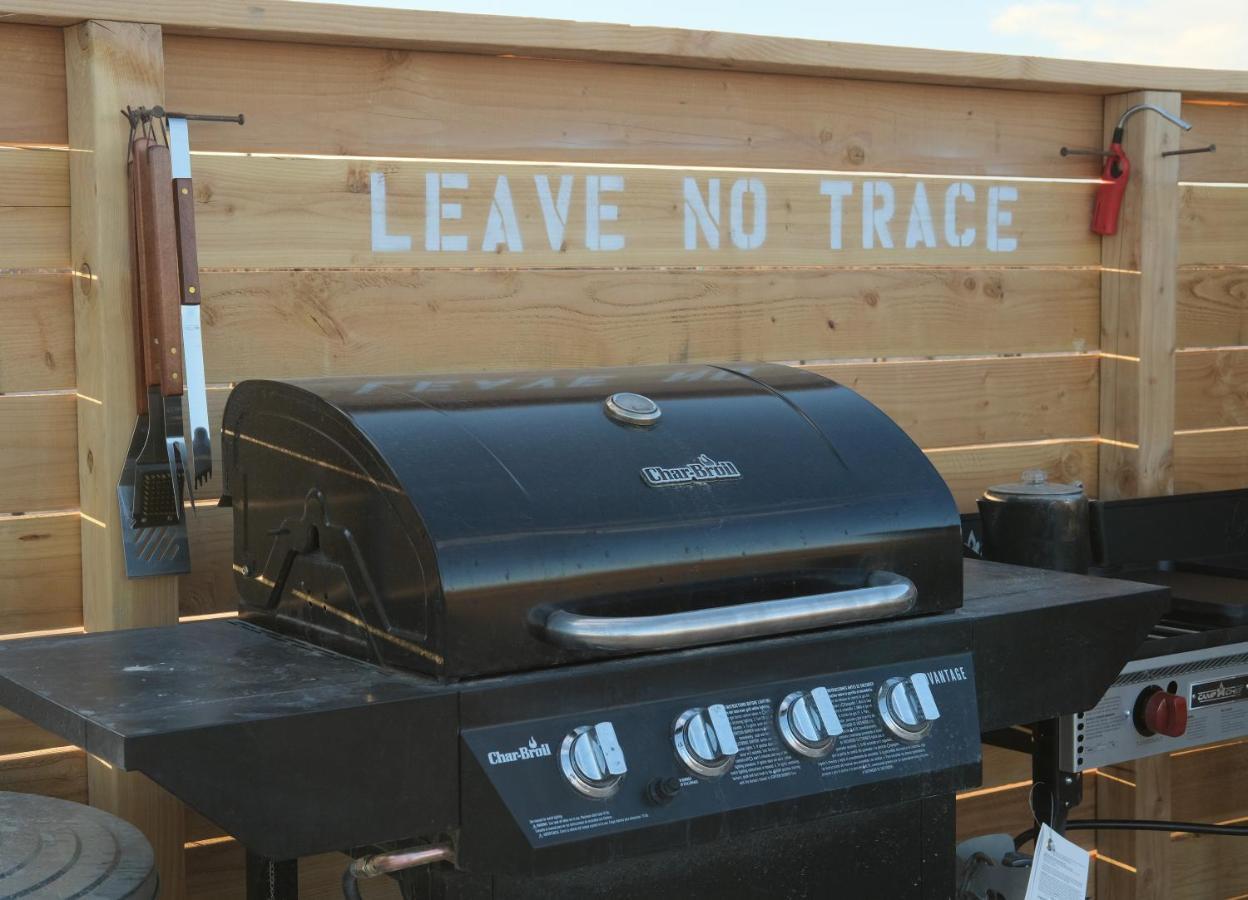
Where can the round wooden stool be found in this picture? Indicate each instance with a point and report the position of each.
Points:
(56, 849)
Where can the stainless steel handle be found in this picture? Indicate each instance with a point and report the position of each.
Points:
(886, 594)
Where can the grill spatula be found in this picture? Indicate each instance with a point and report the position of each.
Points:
(149, 494)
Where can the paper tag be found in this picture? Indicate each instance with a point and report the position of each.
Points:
(1059, 870)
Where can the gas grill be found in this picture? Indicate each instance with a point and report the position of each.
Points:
(521, 521)
(703, 629)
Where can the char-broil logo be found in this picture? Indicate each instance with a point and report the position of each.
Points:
(1225, 690)
(701, 469)
(532, 750)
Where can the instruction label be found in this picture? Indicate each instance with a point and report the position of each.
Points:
(1059, 870)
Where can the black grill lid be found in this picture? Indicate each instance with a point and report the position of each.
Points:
(439, 522)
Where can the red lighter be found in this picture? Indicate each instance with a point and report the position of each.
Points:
(1118, 169)
(1113, 185)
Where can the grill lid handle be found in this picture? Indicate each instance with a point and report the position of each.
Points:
(886, 594)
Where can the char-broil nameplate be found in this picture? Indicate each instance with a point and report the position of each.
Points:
(523, 760)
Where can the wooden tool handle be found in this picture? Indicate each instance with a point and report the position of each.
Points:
(147, 362)
(136, 306)
(188, 256)
(161, 269)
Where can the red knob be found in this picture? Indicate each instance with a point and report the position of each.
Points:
(1166, 713)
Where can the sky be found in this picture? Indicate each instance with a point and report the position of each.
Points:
(1201, 33)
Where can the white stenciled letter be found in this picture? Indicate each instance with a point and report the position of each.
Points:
(964, 191)
(383, 241)
(501, 227)
(997, 217)
(920, 227)
(554, 210)
(597, 212)
(701, 214)
(875, 221)
(838, 191)
(436, 211)
(752, 239)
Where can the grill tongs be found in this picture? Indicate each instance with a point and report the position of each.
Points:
(155, 481)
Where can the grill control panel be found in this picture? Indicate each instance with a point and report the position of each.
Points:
(1160, 705)
(600, 771)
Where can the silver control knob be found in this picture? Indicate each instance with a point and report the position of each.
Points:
(704, 741)
(907, 707)
(808, 722)
(592, 760)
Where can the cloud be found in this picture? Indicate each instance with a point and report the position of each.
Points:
(1201, 33)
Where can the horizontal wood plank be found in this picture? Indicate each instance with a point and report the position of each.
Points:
(40, 572)
(969, 471)
(1211, 389)
(271, 212)
(57, 772)
(1201, 792)
(34, 207)
(32, 85)
(954, 402)
(1212, 306)
(33, 177)
(34, 238)
(1213, 225)
(18, 735)
(1203, 789)
(1204, 867)
(1211, 460)
(36, 333)
(38, 452)
(1003, 766)
(291, 324)
(1006, 812)
(209, 586)
(369, 102)
(1224, 125)
(322, 23)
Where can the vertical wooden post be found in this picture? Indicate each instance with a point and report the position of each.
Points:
(110, 65)
(1138, 307)
(1137, 416)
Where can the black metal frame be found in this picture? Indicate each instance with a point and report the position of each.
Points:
(297, 750)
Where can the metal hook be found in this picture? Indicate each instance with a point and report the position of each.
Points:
(160, 112)
(1140, 107)
(1212, 148)
(1078, 151)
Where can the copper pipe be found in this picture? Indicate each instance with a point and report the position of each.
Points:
(397, 860)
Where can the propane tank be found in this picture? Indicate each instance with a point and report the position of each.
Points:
(1037, 522)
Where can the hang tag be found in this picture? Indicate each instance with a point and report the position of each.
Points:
(1059, 870)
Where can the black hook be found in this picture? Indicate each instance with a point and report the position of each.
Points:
(1212, 148)
(1076, 151)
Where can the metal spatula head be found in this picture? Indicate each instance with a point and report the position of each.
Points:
(162, 550)
(157, 487)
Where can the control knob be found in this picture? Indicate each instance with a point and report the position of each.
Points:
(704, 741)
(592, 760)
(1160, 712)
(907, 707)
(808, 722)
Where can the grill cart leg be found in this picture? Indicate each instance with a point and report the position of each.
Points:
(1057, 792)
(271, 879)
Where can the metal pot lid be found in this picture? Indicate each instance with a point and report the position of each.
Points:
(1035, 483)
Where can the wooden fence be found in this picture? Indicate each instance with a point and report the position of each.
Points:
(419, 192)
